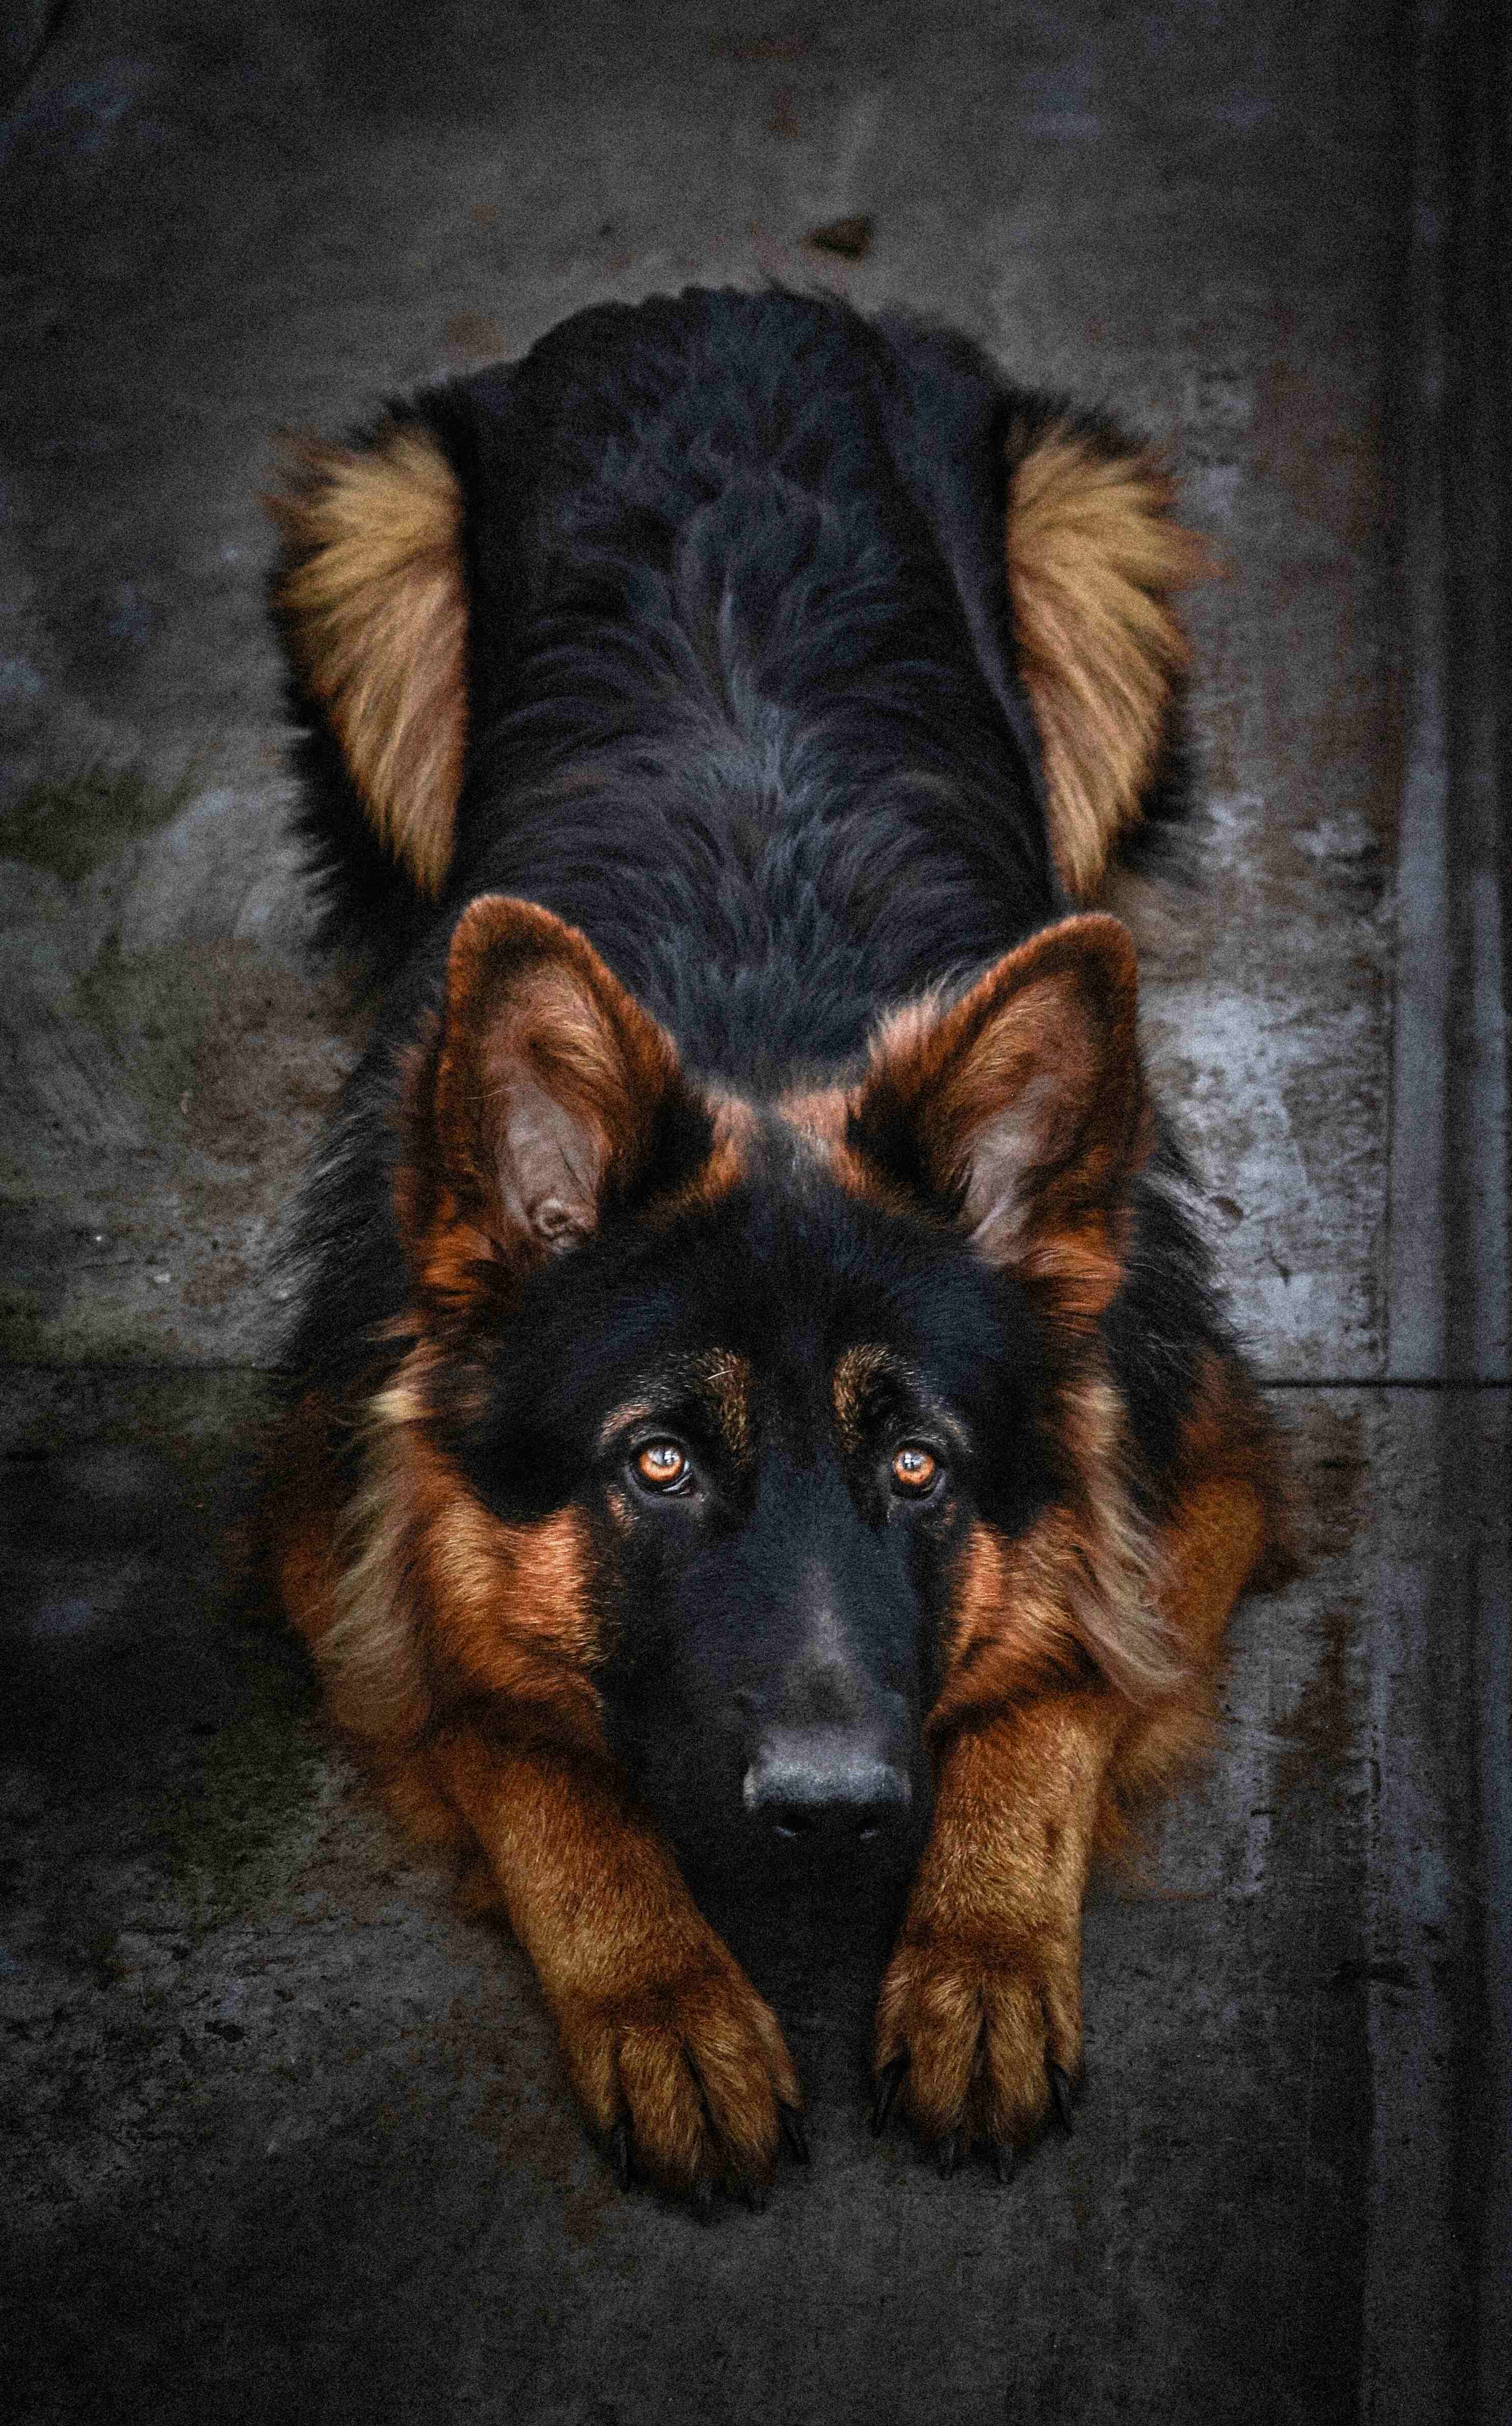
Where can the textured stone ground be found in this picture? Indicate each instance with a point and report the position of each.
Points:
(280, 2133)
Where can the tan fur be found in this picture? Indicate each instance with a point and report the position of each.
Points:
(1230, 1530)
(734, 1125)
(820, 1118)
(444, 1609)
(855, 1378)
(727, 1380)
(461, 1652)
(542, 1079)
(720, 1379)
(432, 1609)
(1027, 1095)
(374, 602)
(985, 1986)
(1094, 558)
(438, 1601)
(1080, 1584)
(984, 1990)
(654, 2015)
(302, 1509)
(819, 1114)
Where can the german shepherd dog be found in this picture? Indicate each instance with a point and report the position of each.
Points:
(759, 1398)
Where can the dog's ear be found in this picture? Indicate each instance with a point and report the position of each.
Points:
(1020, 1113)
(545, 1095)
(1095, 557)
(371, 598)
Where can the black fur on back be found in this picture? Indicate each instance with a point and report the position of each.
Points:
(742, 704)
(742, 707)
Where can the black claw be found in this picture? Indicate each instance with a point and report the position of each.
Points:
(757, 2195)
(792, 2133)
(1060, 2092)
(703, 2199)
(948, 2155)
(620, 2151)
(1005, 2160)
(886, 2091)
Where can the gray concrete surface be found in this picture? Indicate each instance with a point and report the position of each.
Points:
(280, 2133)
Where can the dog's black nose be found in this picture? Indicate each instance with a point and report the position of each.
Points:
(825, 1785)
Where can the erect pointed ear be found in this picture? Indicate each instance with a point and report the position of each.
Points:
(1022, 1111)
(545, 1092)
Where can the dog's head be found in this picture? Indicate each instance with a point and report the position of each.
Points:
(771, 1442)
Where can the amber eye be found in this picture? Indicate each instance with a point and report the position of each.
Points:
(662, 1466)
(914, 1470)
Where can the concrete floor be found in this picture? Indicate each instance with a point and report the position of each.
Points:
(279, 2134)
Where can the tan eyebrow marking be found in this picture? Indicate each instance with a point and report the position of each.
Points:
(719, 1379)
(727, 1380)
(855, 1378)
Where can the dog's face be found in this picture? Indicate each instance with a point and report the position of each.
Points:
(781, 1417)
(776, 1407)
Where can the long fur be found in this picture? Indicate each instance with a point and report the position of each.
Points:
(372, 599)
(712, 718)
(1095, 557)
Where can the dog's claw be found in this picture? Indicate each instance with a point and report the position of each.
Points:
(886, 2090)
(1060, 2092)
(703, 2199)
(948, 2155)
(1004, 2159)
(792, 2133)
(756, 2196)
(620, 2151)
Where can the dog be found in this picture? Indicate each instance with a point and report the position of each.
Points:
(758, 1399)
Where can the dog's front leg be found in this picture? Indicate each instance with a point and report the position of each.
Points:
(673, 2055)
(980, 2018)
(980, 2025)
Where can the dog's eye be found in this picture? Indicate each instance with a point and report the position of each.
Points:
(915, 1470)
(661, 1466)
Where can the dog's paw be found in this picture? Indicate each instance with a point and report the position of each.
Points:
(980, 2042)
(688, 2080)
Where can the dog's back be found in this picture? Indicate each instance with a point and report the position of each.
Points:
(739, 698)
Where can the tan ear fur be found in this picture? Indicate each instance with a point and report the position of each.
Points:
(1024, 1105)
(542, 1086)
(1093, 559)
(374, 604)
